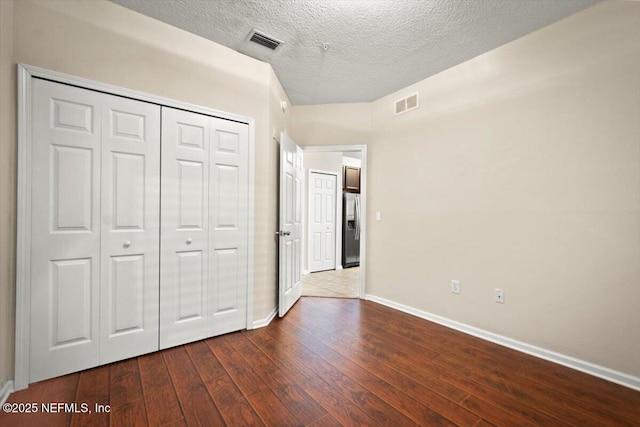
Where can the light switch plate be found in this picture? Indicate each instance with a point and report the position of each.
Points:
(455, 286)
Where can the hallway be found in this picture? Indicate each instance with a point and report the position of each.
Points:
(332, 283)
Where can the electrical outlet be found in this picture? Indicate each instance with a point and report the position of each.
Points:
(500, 296)
(455, 286)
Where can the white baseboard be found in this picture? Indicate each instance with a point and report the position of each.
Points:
(5, 391)
(305, 272)
(339, 267)
(264, 322)
(561, 359)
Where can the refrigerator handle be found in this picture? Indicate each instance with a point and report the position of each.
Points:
(357, 200)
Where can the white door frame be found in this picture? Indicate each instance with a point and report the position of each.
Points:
(338, 230)
(23, 252)
(362, 149)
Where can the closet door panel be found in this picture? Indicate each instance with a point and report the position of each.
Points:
(130, 228)
(71, 188)
(191, 195)
(229, 222)
(191, 286)
(126, 295)
(184, 269)
(65, 230)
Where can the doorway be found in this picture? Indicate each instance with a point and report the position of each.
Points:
(345, 278)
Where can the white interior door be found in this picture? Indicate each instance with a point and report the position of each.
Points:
(290, 216)
(94, 229)
(130, 236)
(184, 262)
(322, 221)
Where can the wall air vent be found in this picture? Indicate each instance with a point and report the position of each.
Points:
(407, 104)
(264, 40)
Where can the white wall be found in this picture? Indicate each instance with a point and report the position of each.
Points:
(520, 171)
(102, 41)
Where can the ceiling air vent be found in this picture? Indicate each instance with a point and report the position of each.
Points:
(264, 40)
(407, 104)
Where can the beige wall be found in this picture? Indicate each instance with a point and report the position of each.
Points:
(331, 124)
(329, 161)
(520, 171)
(525, 165)
(102, 41)
(7, 191)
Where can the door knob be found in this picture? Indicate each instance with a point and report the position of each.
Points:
(189, 241)
(126, 244)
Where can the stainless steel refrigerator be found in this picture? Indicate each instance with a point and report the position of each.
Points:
(350, 230)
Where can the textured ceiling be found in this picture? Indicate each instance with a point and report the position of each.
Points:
(375, 46)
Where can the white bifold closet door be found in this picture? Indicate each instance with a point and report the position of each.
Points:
(204, 229)
(94, 229)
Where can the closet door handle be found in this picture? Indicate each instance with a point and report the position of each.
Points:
(126, 244)
(189, 241)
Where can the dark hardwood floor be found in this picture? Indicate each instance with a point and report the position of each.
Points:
(333, 362)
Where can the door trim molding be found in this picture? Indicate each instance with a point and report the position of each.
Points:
(362, 149)
(23, 254)
(23, 237)
(338, 218)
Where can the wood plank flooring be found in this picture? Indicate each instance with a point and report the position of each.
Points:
(334, 362)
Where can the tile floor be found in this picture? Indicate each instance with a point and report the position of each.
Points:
(333, 283)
